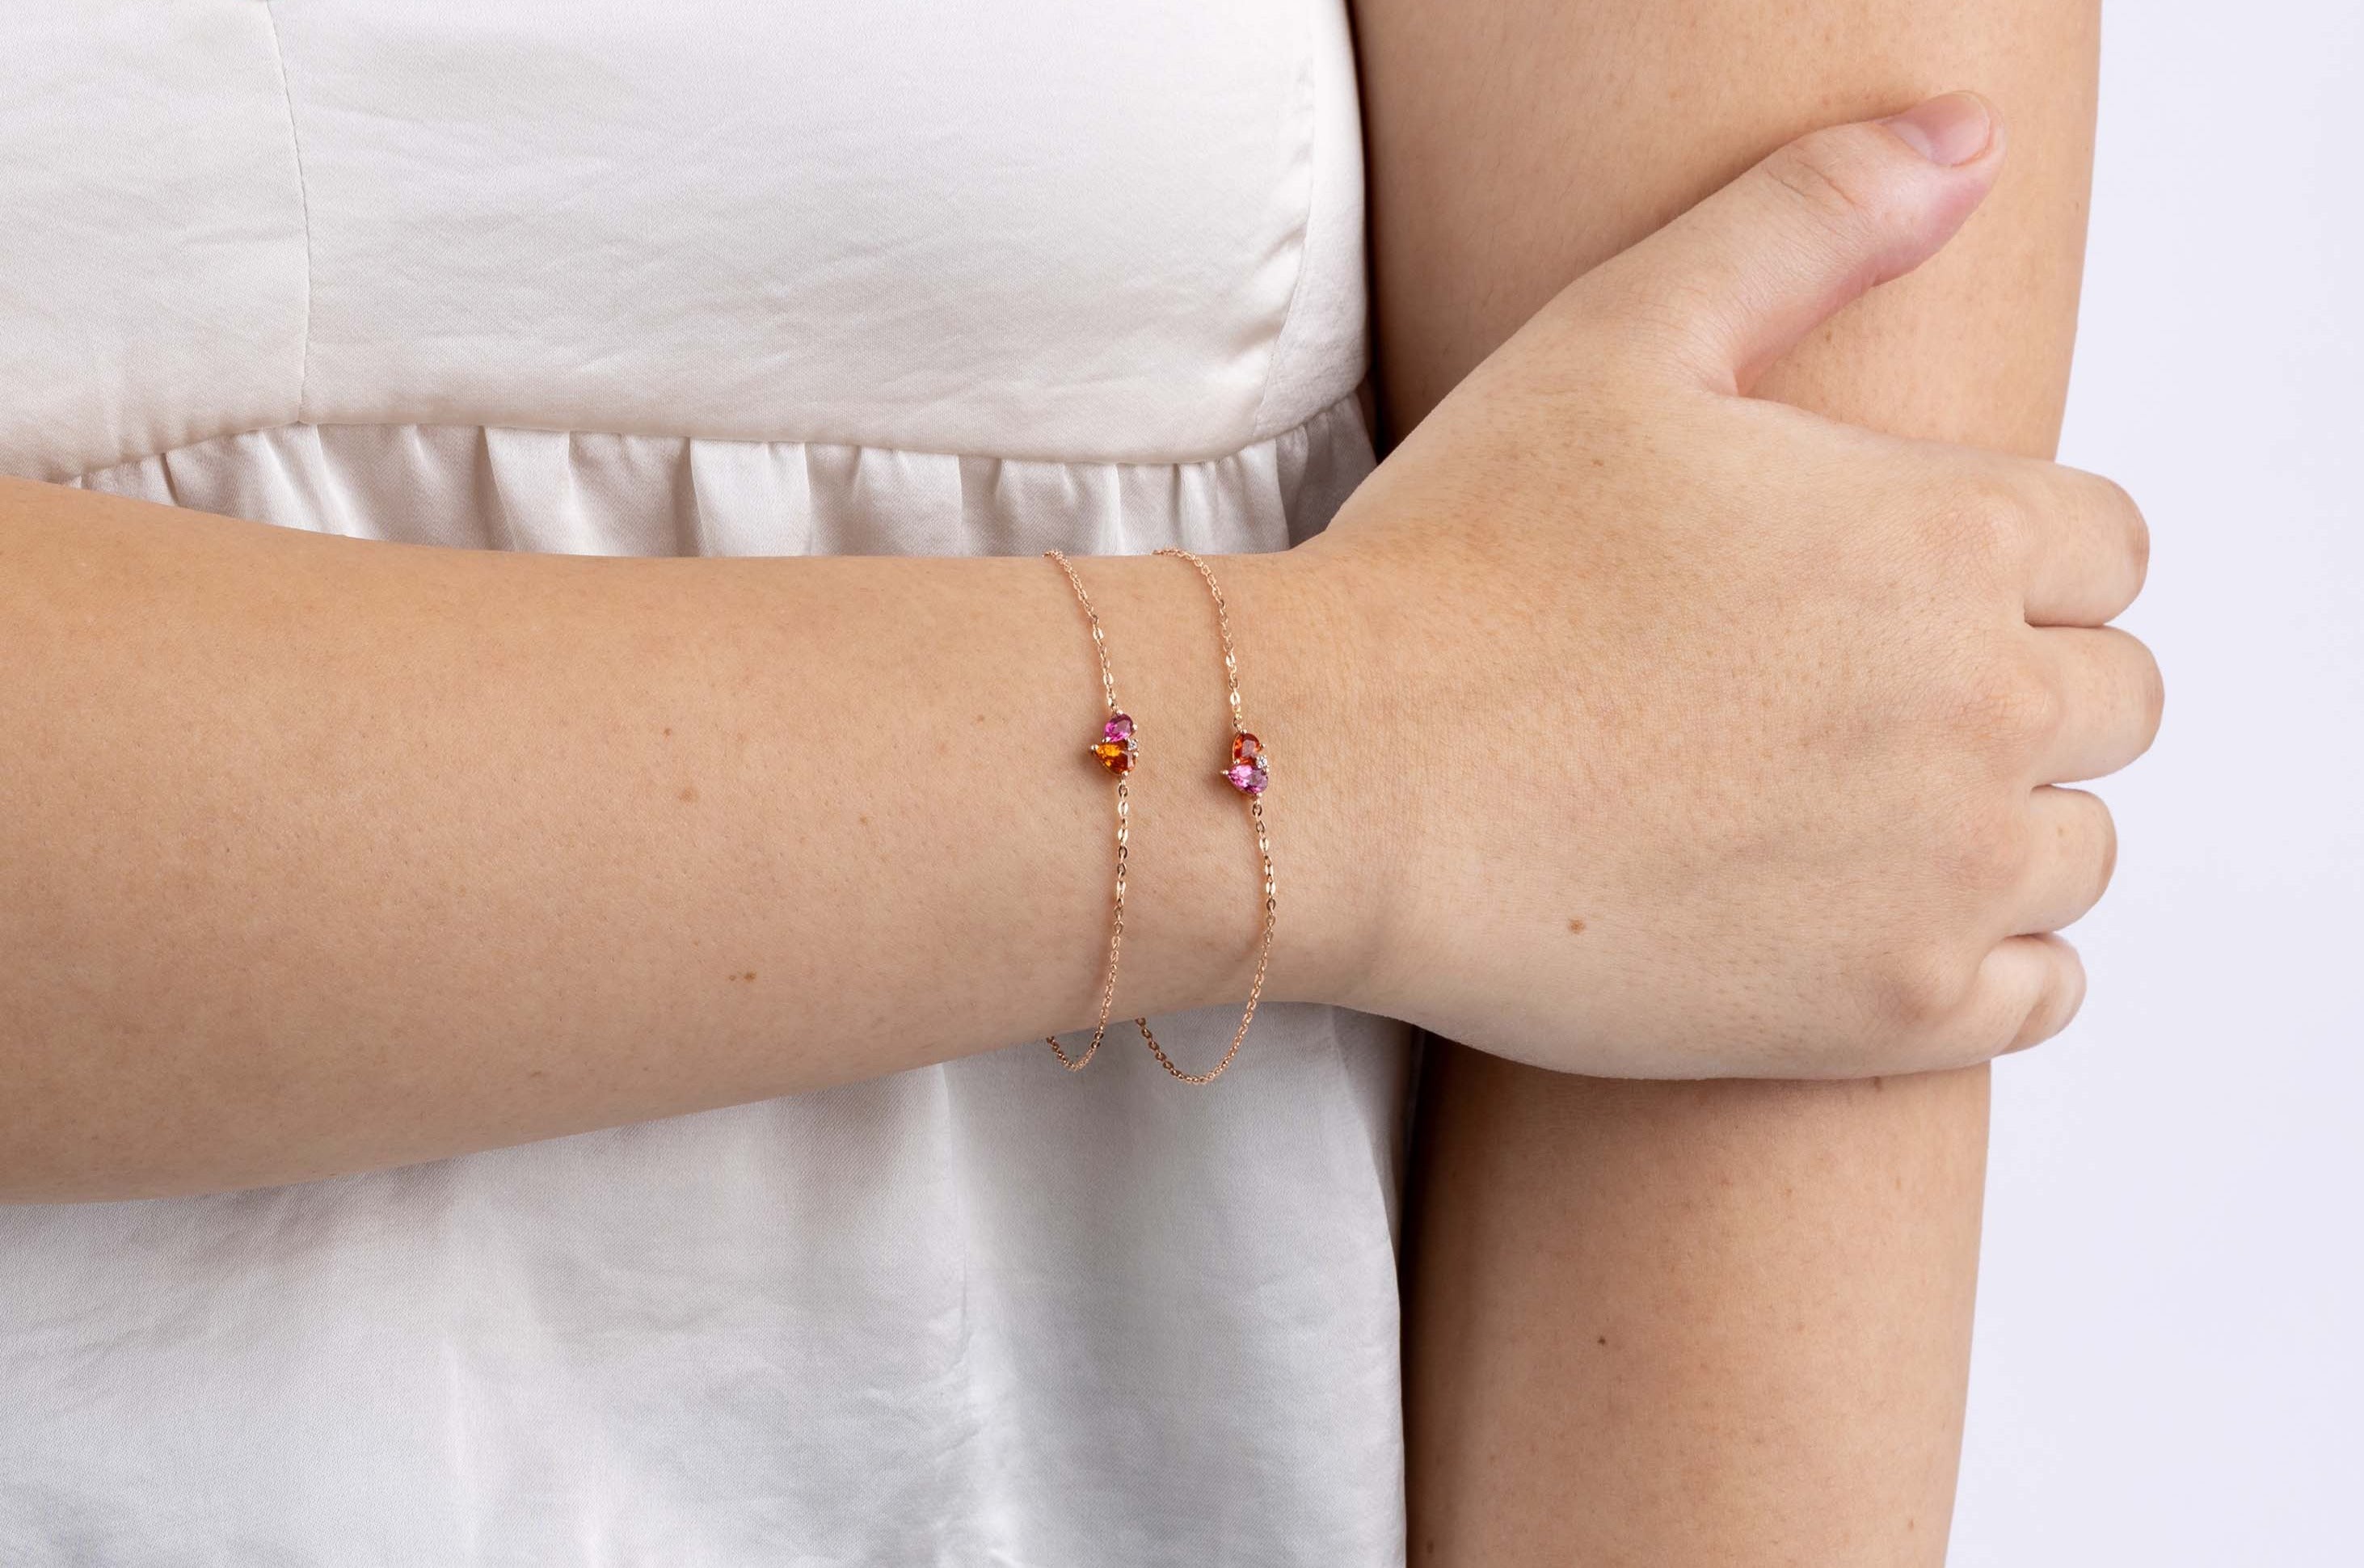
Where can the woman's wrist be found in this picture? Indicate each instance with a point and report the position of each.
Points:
(1338, 810)
(1194, 911)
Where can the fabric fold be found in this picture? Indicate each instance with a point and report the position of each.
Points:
(579, 492)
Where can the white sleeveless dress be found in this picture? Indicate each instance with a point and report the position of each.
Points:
(723, 277)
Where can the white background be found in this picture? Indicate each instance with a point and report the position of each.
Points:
(2168, 1367)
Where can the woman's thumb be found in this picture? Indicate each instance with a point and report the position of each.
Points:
(1743, 276)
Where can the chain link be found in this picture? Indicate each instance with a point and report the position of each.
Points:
(1123, 834)
(1264, 842)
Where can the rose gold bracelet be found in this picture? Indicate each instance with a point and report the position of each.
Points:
(1115, 751)
(1246, 772)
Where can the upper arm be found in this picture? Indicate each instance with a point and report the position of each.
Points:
(1513, 144)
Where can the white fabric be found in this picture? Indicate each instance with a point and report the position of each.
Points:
(1056, 229)
(725, 278)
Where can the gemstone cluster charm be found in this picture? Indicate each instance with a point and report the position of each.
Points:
(1247, 772)
(1115, 748)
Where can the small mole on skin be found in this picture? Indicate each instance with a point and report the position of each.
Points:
(1604, 1340)
(668, 729)
(749, 976)
(689, 792)
(1877, 1085)
(1576, 927)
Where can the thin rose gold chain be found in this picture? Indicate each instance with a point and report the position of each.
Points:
(1123, 826)
(1255, 757)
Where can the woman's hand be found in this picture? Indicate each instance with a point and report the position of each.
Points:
(1724, 739)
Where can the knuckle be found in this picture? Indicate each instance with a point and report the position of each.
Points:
(2011, 709)
(1637, 326)
(1987, 853)
(1822, 171)
(1988, 522)
(1920, 988)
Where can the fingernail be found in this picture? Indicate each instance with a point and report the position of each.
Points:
(1950, 130)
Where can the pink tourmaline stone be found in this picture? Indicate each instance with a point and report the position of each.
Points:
(1118, 725)
(1248, 778)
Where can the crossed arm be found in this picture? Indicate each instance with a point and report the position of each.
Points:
(1722, 1322)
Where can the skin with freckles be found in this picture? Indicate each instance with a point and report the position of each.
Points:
(1779, 705)
(1715, 1322)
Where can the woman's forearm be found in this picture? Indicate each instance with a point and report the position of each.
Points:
(319, 855)
(1678, 1323)
(1715, 1322)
